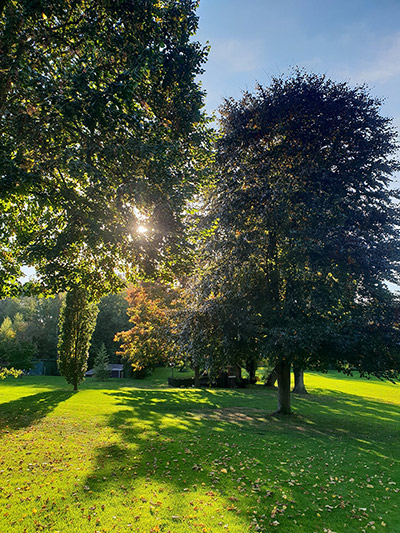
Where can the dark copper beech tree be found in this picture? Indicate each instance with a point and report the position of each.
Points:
(303, 232)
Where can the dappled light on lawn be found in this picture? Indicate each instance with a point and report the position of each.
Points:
(131, 456)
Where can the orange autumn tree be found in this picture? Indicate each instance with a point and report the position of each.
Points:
(152, 307)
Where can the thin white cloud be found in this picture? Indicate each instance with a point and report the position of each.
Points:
(235, 55)
(384, 66)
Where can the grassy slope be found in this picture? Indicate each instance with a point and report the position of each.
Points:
(137, 456)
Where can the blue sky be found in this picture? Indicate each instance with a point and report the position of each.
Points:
(251, 40)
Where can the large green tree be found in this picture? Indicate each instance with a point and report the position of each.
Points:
(307, 230)
(215, 324)
(101, 131)
(101, 128)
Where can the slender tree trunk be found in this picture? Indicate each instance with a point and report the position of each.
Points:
(283, 370)
(197, 376)
(271, 379)
(75, 386)
(299, 387)
(238, 372)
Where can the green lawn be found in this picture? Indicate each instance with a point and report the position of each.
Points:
(138, 456)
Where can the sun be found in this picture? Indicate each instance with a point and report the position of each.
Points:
(142, 229)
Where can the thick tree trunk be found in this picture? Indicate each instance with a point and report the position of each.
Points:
(75, 386)
(251, 369)
(299, 387)
(283, 370)
(197, 376)
(271, 379)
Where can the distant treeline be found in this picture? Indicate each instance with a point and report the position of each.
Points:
(29, 328)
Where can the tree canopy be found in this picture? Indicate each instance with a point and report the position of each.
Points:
(101, 128)
(303, 228)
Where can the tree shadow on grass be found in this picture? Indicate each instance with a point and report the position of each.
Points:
(368, 426)
(164, 441)
(360, 410)
(187, 440)
(188, 412)
(27, 410)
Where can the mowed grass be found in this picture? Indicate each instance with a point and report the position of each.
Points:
(138, 456)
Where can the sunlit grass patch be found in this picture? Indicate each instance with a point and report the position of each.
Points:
(365, 388)
(137, 456)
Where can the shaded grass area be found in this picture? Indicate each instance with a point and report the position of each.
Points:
(137, 456)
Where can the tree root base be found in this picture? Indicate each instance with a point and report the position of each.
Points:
(282, 413)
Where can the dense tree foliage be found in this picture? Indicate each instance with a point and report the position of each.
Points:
(216, 331)
(40, 318)
(101, 129)
(16, 350)
(41, 315)
(10, 270)
(77, 322)
(112, 318)
(150, 340)
(303, 231)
